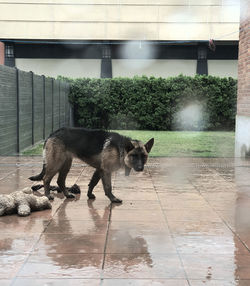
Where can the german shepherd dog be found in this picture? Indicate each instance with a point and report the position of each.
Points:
(105, 151)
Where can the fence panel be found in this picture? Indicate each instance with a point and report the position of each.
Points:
(31, 107)
(8, 110)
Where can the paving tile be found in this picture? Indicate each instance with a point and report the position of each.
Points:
(16, 224)
(199, 228)
(70, 243)
(139, 215)
(212, 282)
(222, 267)
(5, 282)
(56, 282)
(179, 204)
(14, 243)
(52, 265)
(143, 266)
(145, 282)
(140, 227)
(137, 205)
(134, 241)
(73, 227)
(209, 245)
(130, 195)
(11, 264)
(73, 212)
(192, 215)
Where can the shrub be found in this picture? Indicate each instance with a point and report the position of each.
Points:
(182, 102)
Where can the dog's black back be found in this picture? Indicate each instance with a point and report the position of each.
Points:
(85, 143)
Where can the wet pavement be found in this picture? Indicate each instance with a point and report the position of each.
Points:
(183, 221)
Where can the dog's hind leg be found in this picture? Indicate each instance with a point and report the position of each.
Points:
(106, 181)
(93, 182)
(63, 172)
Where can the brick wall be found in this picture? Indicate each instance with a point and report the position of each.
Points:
(243, 105)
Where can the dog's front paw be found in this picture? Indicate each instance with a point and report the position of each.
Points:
(91, 196)
(116, 200)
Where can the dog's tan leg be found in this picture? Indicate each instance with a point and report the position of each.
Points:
(93, 182)
(106, 181)
(63, 172)
(46, 182)
(54, 157)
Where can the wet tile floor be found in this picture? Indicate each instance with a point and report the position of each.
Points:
(183, 221)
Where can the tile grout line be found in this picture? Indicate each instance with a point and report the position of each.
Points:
(186, 277)
(106, 239)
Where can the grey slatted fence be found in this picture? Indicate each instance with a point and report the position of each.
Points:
(31, 107)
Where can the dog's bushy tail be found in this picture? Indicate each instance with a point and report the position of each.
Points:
(40, 176)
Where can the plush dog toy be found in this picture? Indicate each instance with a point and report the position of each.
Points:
(23, 203)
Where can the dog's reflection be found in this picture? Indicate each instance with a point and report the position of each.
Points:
(76, 237)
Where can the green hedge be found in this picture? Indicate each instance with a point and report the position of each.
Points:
(155, 103)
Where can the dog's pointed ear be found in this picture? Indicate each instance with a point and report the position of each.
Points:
(129, 146)
(149, 145)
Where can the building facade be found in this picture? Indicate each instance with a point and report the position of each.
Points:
(242, 134)
(111, 38)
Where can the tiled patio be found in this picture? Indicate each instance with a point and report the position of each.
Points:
(183, 221)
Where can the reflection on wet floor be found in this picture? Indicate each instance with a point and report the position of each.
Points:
(183, 221)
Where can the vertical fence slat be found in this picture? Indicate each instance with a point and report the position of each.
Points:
(59, 104)
(43, 107)
(33, 111)
(17, 112)
(52, 110)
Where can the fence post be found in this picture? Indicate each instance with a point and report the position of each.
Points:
(17, 111)
(64, 87)
(52, 115)
(59, 104)
(43, 106)
(32, 103)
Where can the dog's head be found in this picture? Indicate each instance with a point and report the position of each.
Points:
(137, 155)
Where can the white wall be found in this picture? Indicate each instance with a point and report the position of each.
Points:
(223, 68)
(157, 68)
(120, 19)
(72, 68)
(75, 68)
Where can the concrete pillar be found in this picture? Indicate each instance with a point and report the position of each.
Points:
(201, 67)
(2, 54)
(106, 64)
(242, 134)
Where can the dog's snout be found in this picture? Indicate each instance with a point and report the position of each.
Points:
(139, 168)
